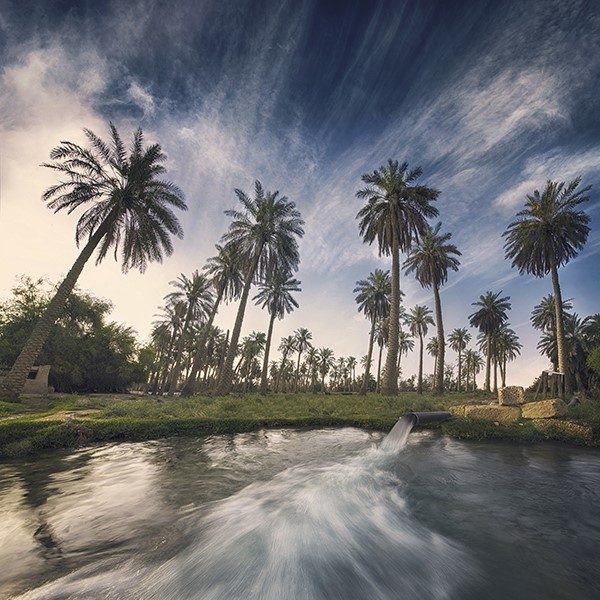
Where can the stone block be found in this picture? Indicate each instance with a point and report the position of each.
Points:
(564, 428)
(512, 395)
(501, 414)
(544, 409)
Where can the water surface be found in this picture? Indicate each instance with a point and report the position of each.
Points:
(281, 514)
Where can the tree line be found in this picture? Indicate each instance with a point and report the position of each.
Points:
(129, 211)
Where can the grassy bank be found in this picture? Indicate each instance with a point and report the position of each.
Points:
(68, 421)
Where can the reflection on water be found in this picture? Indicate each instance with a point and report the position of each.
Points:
(301, 515)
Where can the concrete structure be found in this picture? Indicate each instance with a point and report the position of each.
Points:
(37, 381)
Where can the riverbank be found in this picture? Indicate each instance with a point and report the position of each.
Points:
(65, 421)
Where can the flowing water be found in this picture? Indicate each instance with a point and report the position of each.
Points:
(284, 514)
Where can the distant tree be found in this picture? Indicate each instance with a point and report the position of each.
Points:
(225, 272)
(302, 337)
(276, 296)
(196, 294)
(490, 315)
(459, 338)
(418, 320)
(373, 299)
(87, 352)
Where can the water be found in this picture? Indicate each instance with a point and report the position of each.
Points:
(302, 515)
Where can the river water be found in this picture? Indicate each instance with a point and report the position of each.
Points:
(284, 514)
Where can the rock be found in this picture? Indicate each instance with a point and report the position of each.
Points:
(458, 410)
(563, 428)
(502, 414)
(544, 409)
(512, 395)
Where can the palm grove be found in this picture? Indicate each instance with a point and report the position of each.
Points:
(129, 211)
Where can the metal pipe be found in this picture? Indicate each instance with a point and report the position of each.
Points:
(420, 418)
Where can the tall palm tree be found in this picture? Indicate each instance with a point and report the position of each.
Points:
(373, 299)
(430, 261)
(276, 296)
(325, 364)
(418, 321)
(197, 295)
(266, 233)
(489, 317)
(351, 364)
(128, 212)
(547, 234)
(286, 347)
(459, 338)
(395, 214)
(303, 337)
(405, 345)
(224, 271)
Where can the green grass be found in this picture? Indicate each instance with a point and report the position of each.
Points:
(68, 421)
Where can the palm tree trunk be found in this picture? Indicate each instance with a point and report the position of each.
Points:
(264, 378)
(190, 385)
(364, 386)
(495, 375)
(488, 361)
(439, 371)
(225, 381)
(379, 368)
(460, 371)
(420, 380)
(14, 382)
(175, 371)
(503, 372)
(297, 371)
(560, 328)
(390, 381)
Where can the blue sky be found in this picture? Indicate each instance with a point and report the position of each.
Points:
(490, 98)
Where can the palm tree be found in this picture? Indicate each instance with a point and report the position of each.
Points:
(128, 213)
(312, 359)
(325, 363)
(433, 349)
(381, 333)
(546, 235)
(418, 321)
(508, 348)
(286, 347)
(395, 215)
(303, 337)
(430, 261)
(351, 363)
(459, 338)
(373, 299)
(405, 345)
(224, 271)
(196, 294)
(473, 364)
(265, 232)
(276, 296)
(490, 316)
(576, 345)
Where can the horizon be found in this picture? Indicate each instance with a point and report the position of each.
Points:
(297, 97)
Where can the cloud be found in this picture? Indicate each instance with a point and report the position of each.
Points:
(142, 98)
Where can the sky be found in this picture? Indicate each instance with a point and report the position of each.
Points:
(490, 98)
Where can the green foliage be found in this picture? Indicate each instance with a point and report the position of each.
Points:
(87, 353)
(593, 360)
